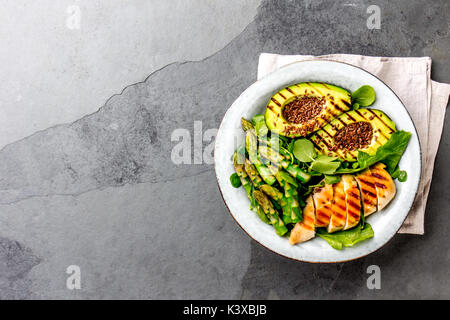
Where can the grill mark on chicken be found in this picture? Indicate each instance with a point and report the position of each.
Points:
(354, 215)
(378, 176)
(323, 217)
(380, 185)
(368, 183)
(354, 205)
(354, 195)
(369, 193)
(339, 215)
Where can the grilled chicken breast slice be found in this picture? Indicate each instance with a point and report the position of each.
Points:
(338, 208)
(352, 200)
(368, 191)
(384, 184)
(305, 230)
(322, 202)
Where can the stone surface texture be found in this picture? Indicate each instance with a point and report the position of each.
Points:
(96, 187)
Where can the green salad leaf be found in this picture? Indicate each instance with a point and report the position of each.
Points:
(325, 164)
(303, 150)
(389, 154)
(332, 179)
(347, 238)
(235, 180)
(364, 97)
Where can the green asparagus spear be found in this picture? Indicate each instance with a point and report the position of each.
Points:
(238, 163)
(264, 202)
(260, 126)
(289, 201)
(251, 144)
(283, 177)
(239, 168)
(271, 213)
(246, 183)
(246, 124)
(274, 157)
(292, 194)
(298, 173)
(252, 173)
(262, 215)
(271, 192)
(280, 161)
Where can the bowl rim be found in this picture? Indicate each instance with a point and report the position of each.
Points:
(416, 187)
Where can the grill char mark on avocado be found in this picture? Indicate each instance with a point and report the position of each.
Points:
(337, 101)
(382, 130)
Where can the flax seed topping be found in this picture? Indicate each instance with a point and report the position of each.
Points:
(304, 109)
(353, 136)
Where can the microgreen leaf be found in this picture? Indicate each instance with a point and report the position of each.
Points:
(325, 164)
(364, 96)
(304, 150)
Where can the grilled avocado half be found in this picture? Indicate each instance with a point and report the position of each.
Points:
(341, 138)
(308, 106)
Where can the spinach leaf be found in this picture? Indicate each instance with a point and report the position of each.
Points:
(235, 180)
(390, 153)
(332, 179)
(364, 96)
(304, 150)
(347, 238)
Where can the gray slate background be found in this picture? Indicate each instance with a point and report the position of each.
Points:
(101, 192)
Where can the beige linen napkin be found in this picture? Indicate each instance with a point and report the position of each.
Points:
(426, 101)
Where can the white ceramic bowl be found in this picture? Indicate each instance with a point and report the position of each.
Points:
(253, 101)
